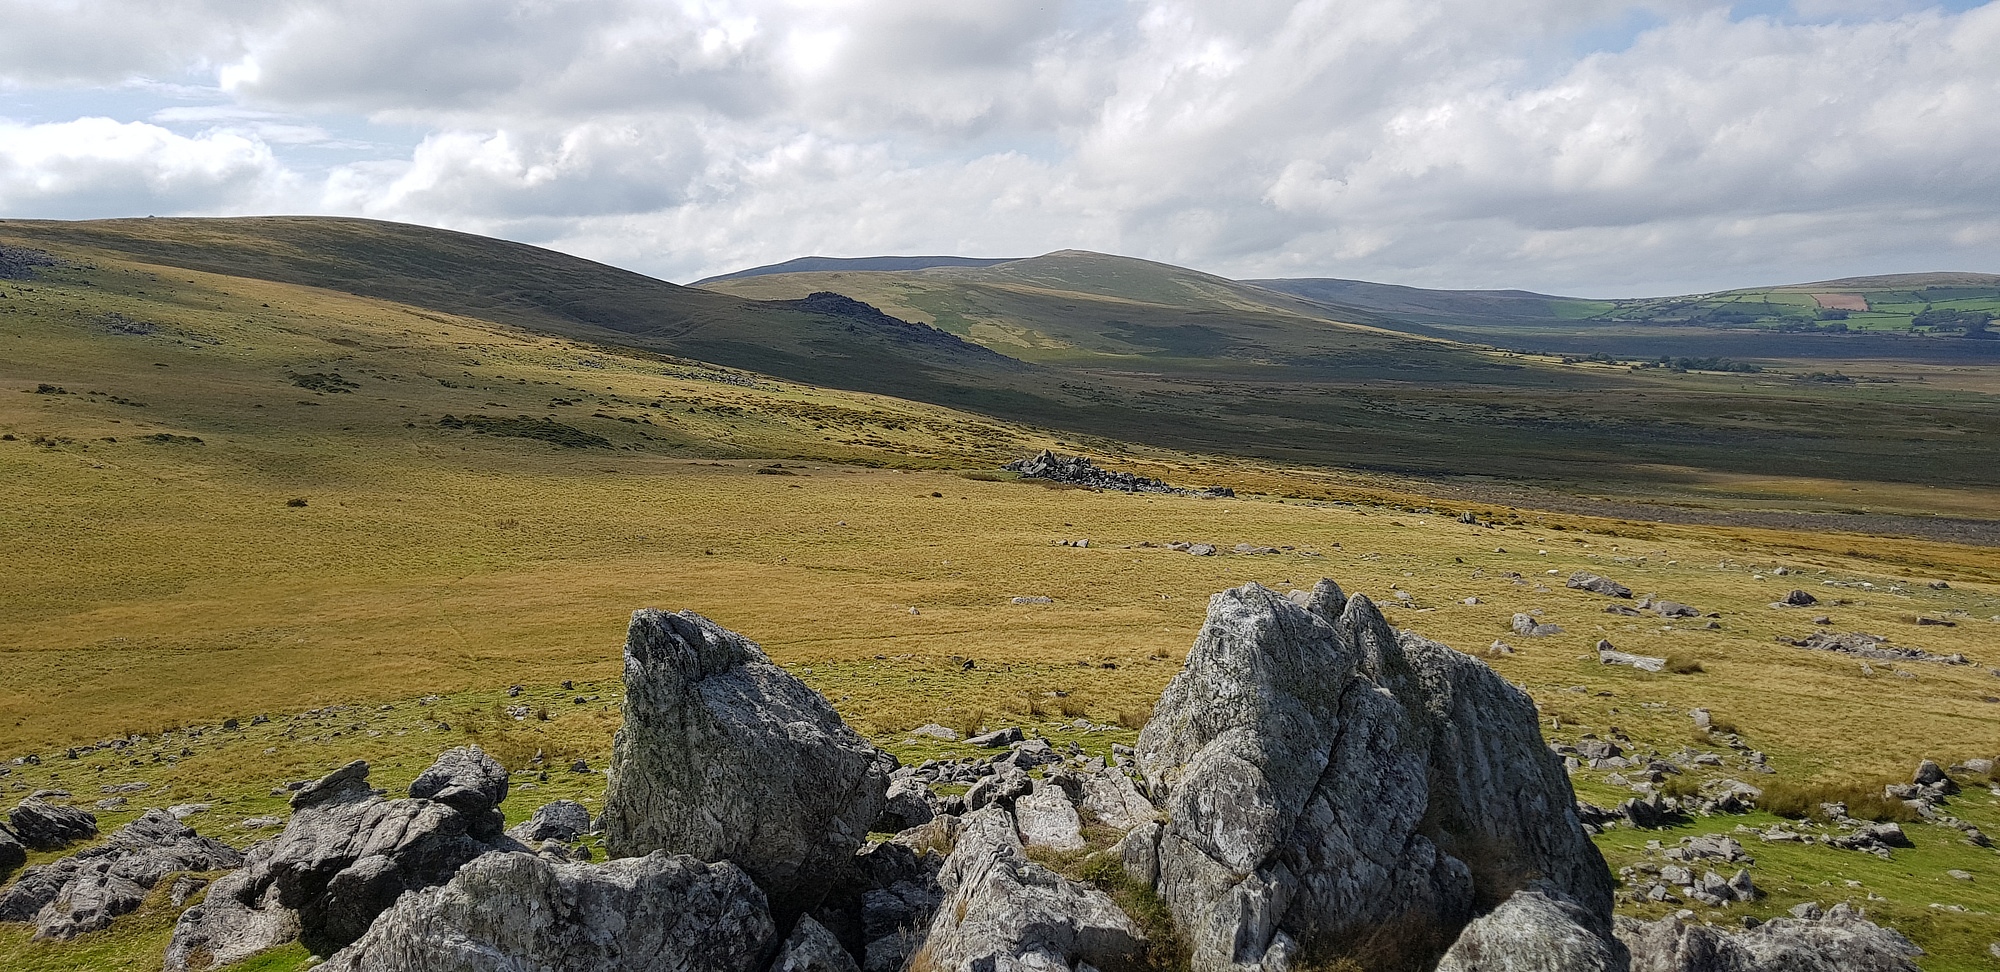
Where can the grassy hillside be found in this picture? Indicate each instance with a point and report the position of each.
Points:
(238, 497)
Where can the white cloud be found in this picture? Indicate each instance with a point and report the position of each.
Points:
(1439, 142)
(97, 167)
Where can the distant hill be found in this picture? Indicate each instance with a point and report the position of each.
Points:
(1448, 306)
(814, 264)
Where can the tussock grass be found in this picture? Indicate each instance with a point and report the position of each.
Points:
(1864, 799)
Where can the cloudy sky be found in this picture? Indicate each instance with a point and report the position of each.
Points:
(1594, 147)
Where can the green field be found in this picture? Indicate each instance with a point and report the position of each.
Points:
(365, 518)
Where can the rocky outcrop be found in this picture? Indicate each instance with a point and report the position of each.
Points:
(345, 856)
(1080, 471)
(1538, 929)
(1004, 912)
(1843, 940)
(658, 913)
(811, 948)
(44, 826)
(85, 891)
(882, 903)
(1337, 789)
(725, 756)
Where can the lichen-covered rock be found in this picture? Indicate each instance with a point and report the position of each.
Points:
(43, 826)
(1110, 796)
(725, 756)
(344, 857)
(1537, 929)
(87, 890)
(509, 911)
(1003, 913)
(465, 779)
(1840, 940)
(1337, 788)
(1046, 818)
(907, 804)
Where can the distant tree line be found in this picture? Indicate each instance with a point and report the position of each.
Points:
(1972, 322)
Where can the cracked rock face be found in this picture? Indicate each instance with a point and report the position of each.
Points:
(508, 911)
(1338, 789)
(725, 756)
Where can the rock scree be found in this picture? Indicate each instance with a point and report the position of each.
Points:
(1080, 471)
(1336, 789)
(725, 756)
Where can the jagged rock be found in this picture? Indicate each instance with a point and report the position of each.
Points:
(907, 804)
(564, 820)
(811, 948)
(1800, 599)
(505, 911)
(1046, 818)
(1001, 789)
(1003, 912)
(464, 779)
(43, 826)
(1586, 581)
(1336, 787)
(1842, 941)
(343, 858)
(1537, 929)
(725, 756)
(87, 890)
(12, 854)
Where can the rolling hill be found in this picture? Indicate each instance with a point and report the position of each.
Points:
(1109, 350)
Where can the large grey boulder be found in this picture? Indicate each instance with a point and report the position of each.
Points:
(87, 890)
(344, 857)
(1004, 913)
(1338, 789)
(44, 826)
(465, 779)
(1110, 796)
(512, 911)
(725, 756)
(1537, 929)
(1843, 940)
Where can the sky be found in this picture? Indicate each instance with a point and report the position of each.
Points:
(1588, 147)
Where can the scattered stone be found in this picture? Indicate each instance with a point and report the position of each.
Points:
(1800, 599)
(1702, 718)
(935, 731)
(715, 743)
(1586, 581)
(1958, 875)
(1526, 626)
(658, 913)
(1202, 549)
(907, 804)
(1035, 599)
